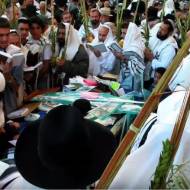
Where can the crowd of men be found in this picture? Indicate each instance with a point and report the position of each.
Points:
(69, 51)
(54, 48)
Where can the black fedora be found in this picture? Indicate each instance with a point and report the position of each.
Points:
(64, 150)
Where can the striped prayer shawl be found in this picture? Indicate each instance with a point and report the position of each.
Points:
(132, 71)
(8, 176)
(142, 136)
(135, 63)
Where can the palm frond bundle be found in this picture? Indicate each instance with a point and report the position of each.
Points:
(176, 178)
(165, 162)
(53, 36)
(163, 11)
(52, 12)
(3, 5)
(119, 18)
(183, 26)
(85, 20)
(146, 30)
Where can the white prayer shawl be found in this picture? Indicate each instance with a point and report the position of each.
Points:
(157, 45)
(138, 169)
(148, 124)
(73, 42)
(133, 40)
(113, 28)
(104, 63)
(154, 30)
(12, 49)
(41, 46)
(134, 174)
(181, 75)
(109, 38)
(163, 51)
(2, 87)
(13, 180)
(133, 43)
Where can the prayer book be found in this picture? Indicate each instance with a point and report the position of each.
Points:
(115, 47)
(100, 46)
(18, 113)
(17, 58)
(5, 57)
(110, 76)
(32, 68)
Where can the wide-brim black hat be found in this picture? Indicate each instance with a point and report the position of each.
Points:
(55, 156)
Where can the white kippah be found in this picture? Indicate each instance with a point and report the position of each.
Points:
(2, 82)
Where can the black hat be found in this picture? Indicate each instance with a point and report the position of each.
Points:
(83, 105)
(64, 150)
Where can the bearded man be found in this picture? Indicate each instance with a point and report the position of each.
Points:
(94, 24)
(162, 45)
(73, 58)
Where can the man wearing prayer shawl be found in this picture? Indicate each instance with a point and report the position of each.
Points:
(139, 167)
(73, 59)
(162, 45)
(12, 71)
(132, 60)
(101, 62)
(39, 52)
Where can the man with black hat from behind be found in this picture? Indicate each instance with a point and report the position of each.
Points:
(63, 151)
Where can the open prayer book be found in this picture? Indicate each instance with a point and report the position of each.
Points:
(32, 68)
(5, 57)
(18, 113)
(99, 46)
(115, 47)
(110, 76)
(17, 58)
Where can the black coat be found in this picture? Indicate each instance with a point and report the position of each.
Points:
(78, 66)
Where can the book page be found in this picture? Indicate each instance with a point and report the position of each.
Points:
(18, 113)
(18, 59)
(5, 57)
(115, 47)
(32, 68)
(101, 47)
